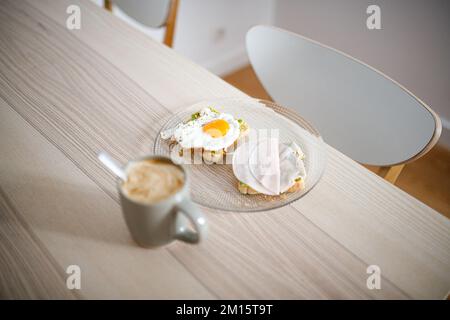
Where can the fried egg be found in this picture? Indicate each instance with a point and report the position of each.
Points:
(207, 129)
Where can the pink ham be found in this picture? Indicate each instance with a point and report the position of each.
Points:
(241, 167)
(268, 167)
(264, 164)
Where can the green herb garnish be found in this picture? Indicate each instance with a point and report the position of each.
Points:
(195, 116)
(213, 110)
(242, 125)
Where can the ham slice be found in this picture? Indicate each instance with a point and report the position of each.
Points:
(291, 166)
(241, 167)
(288, 168)
(268, 167)
(264, 164)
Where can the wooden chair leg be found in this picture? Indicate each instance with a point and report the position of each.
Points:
(170, 23)
(108, 5)
(391, 173)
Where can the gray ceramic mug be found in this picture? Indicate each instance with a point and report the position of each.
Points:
(159, 223)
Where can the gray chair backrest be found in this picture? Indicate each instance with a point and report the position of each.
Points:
(151, 13)
(357, 109)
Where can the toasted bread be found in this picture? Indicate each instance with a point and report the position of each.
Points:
(245, 189)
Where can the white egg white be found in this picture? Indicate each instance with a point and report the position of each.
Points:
(190, 134)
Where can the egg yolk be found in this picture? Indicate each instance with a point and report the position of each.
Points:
(217, 128)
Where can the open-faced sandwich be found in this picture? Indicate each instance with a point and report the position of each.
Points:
(268, 167)
(209, 131)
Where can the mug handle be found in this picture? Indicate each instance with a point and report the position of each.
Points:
(192, 212)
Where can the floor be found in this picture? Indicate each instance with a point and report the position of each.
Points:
(427, 179)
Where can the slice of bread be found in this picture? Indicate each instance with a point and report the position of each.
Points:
(299, 184)
(213, 156)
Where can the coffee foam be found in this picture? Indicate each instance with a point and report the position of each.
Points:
(150, 181)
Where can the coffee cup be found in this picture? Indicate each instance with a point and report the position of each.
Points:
(157, 218)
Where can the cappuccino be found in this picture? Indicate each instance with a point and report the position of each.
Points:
(149, 181)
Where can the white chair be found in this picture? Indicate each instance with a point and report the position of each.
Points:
(151, 13)
(357, 109)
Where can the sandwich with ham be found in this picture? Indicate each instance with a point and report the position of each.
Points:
(268, 167)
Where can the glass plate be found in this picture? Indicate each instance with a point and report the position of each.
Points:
(215, 186)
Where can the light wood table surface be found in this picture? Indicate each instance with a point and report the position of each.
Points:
(65, 95)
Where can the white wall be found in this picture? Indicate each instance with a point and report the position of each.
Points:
(212, 32)
(413, 46)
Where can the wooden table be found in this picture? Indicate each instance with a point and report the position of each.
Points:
(65, 95)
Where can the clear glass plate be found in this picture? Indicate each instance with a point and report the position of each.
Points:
(215, 186)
